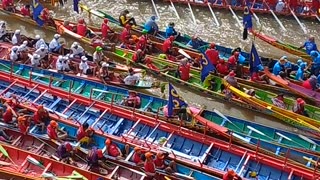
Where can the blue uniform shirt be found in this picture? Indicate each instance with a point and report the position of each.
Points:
(299, 75)
(310, 46)
(151, 26)
(277, 68)
(170, 31)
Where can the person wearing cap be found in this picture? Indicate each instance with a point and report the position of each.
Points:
(23, 50)
(233, 60)
(279, 66)
(46, 17)
(138, 156)
(184, 69)
(141, 44)
(106, 32)
(279, 101)
(124, 18)
(41, 117)
(138, 56)
(300, 74)
(84, 67)
(8, 5)
(231, 79)
(8, 115)
(213, 54)
(151, 26)
(310, 45)
(25, 10)
(255, 76)
(231, 175)
(54, 45)
(54, 132)
(35, 60)
(133, 100)
(310, 83)
(104, 72)
(195, 42)
(65, 152)
(95, 159)
(113, 150)
(42, 52)
(77, 50)
(14, 54)
(39, 43)
(125, 35)
(315, 64)
(280, 6)
(160, 162)
(167, 46)
(131, 79)
(85, 134)
(222, 67)
(82, 28)
(98, 56)
(149, 166)
(23, 123)
(170, 31)
(13, 102)
(16, 38)
(298, 107)
(60, 64)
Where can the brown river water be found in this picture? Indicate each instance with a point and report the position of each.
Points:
(227, 34)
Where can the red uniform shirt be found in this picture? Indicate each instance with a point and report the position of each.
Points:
(23, 126)
(52, 133)
(255, 77)
(223, 69)
(232, 60)
(6, 3)
(69, 27)
(167, 44)
(136, 57)
(125, 35)
(104, 30)
(149, 167)
(306, 84)
(159, 163)
(25, 11)
(136, 158)
(13, 105)
(7, 117)
(82, 29)
(113, 150)
(184, 72)
(81, 133)
(38, 117)
(213, 56)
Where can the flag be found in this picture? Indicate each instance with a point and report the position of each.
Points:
(37, 8)
(76, 5)
(206, 66)
(254, 60)
(247, 22)
(175, 101)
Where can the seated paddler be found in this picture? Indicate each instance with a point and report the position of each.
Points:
(125, 18)
(65, 152)
(133, 100)
(315, 64)
(279, 66)
(151, 26)
(194, 43)
(309, 45)
(85, 134)
(170, 31)
(8, 5)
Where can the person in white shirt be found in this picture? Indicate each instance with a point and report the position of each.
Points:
(77, 50)
(35, 60)
(23, 47)
(66, 64)
(3, 31)
(43, 52)
(14, 55)
(59, 64)
(98, 56)
(84, 67)
(41, 42)
(16, 38)
(280, 6)
(36, 39)
(55, 45)
(131, 79)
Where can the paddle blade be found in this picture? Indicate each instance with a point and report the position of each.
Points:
(181, 51)
(3, 163)
(3, 151)
(34, 161)
(245, 34)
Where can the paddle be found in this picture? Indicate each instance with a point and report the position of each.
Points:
(35, 162)
(5, 153)
(227, 119)
(181, 51)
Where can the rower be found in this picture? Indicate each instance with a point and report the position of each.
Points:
(64, 152)
(213, 54)
(8, 5)
(194, 43)
(149, 166)
(250, 92)
(315, 68)
(113, 150)
(77, 50)
(279, 66)
(24, 124)
(160, 163)
(60, 66)
(279, 101)
(96, 41)
(310, 45)
(84, 67)
(151, 26)
(8, 116)
(55, 46)
(23, 50)
(3, 31)
(298, 107)
(98, 56)
(14, 54)
(53, 131)
(41, 42)
(35, 60)
(300, 74)
(124, 18)
(167, 47)
(41, 117)
(310, 83)
(43, 53)
(85, 134)
(184, 69)
(131, 79)
(45, 16)
(138, 156)
(35, 40)
(126, 36)
(133, 100)
(280, 6)
(95, 159)
(231, 79)
(170, 31)
(233, 60)
(106, 31)
(82, 28)
(138, 56)
(255, 77)
(222, 67)
(16, 38)
(13, 102)
(25, 11)
(104, 73)
(231, 175)
(141, 44)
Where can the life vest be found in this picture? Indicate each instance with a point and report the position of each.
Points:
(7, 116)
(166, 45)
(213, 56)
(113, 150)
(52, 133)
(25, 11)
(159, 163)
(150, 168)
(81, 29)
(104, 30)
(184, 72)
(125, 36)
(223, 69)
(136, 158)
(233, 60)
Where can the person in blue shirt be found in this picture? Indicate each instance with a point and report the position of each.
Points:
(151, 26)
(315, 68)
(279, 66)
(194, 43)
(310, 45)
(170, 31)
(300, 72)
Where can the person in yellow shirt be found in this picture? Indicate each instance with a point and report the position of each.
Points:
(125, 19)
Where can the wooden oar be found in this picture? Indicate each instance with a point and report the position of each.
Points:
(35, 162)
(5, 153)
(235, 16)
(155, 8)
(181, 51)
(213, 15)
(192, 15)
(275, 16)
(297, 19)
(174, 9)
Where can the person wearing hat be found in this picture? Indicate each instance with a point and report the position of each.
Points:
(151, 26)
(184, 69)
(300, 74)
(315, 64)
(43, 53)
(167, 46)
(233, 60)
(7, 116)
(98, 56)
(84, 67)
(39, 43)
(112, 149)
(65, 152)
(34, 59)
(255, 76)
(280, 6)
(82, 28)
(222, 67)
(310, 45)
(138, 56)
(14, 54)
(104, 72)
(138, 156)
(170, 31)
(54, 45)
(279, 101)
(25, 11)
(298, 107)
(213, 54)
(141, 44)
(160, 163)
(310, 83)
(95, 159)
(231, 175)
(133, 100)
(61, 66)
(279, 66)
(54, 132)
(85, 134)
(16, 38)
(77, 50)
(195, 42)
(132, 79)
(125, 36)
(149, 166)
(106, 32)
(41, 117)
(124, 18)
(231, 79)
(23, 123)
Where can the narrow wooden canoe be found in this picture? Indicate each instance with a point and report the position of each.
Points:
(143, 131)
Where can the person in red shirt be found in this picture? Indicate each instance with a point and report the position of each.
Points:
(25, 11)
(106, 31)
(184, 70)
(255, 77)
(138, 56)
(141, 44)
(316, 6)
(167, 46)
(222, 68)
(137, 156)
(159, 162)
(67, 25)
(114, 151)
(213, 54)
(126, 35)
(82, 27)
(293, 4)
(8, 5)
(149, 166)
(133, 100)
(298, 107)
(148, 62)
(53, 130)
(8, 116)
(13, 102)
(84, 134)
(41, 117)
(310, 83)
(231, 175)
(23, 124)
(233, 60)
(45, 16)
